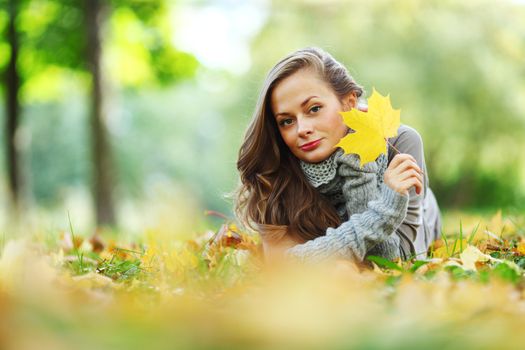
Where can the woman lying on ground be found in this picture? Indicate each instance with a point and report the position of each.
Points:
(307, 198)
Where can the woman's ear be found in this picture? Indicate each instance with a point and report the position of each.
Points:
(350, 101)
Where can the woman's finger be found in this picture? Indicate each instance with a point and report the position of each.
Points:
(410, 173)
(412, 182)
(407, 164)
(398, 159)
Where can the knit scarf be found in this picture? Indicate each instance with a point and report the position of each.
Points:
(322, 172)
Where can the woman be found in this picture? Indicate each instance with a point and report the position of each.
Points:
(306, 197)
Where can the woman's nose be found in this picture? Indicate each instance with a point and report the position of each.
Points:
(304, 128)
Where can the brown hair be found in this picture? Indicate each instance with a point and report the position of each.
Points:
(274, 197)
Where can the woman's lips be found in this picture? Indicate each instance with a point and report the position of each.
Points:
(310, 145)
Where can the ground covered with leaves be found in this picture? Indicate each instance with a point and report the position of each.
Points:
(67, 289)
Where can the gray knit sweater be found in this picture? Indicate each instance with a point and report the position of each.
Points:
(369, 209)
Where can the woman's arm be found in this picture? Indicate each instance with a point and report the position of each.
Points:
(355, 237)
(409, 141)
(358, 190)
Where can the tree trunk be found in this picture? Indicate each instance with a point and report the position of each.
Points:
(102, 176)
(12, 108)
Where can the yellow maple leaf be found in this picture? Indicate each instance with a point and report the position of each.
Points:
(371, 128)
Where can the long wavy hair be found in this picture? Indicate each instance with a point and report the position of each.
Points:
(274, 197)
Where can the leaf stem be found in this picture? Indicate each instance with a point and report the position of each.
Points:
(398, 151)
(391, 145)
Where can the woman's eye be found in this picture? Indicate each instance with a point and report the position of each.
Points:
(285, 122)
(315, 109)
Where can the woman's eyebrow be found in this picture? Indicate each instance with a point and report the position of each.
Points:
(302, 105)
(306, 101)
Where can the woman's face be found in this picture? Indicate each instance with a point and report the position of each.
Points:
(307, 113)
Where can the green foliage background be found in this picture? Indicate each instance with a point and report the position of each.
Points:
(454, 68)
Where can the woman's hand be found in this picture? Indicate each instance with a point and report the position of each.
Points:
(403, 173)
(274, 250)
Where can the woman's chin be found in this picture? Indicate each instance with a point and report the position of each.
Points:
(313, 156)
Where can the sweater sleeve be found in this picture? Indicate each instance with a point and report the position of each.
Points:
(356, 236)
(361, 185)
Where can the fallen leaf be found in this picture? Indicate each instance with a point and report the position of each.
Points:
(471, 255)
(521, 248)
(96, 242)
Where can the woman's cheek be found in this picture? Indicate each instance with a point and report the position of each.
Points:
(288, 138)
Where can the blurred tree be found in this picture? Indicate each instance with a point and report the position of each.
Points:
(12, 87)
(103, 176)
(67, 34)
(12, 83)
